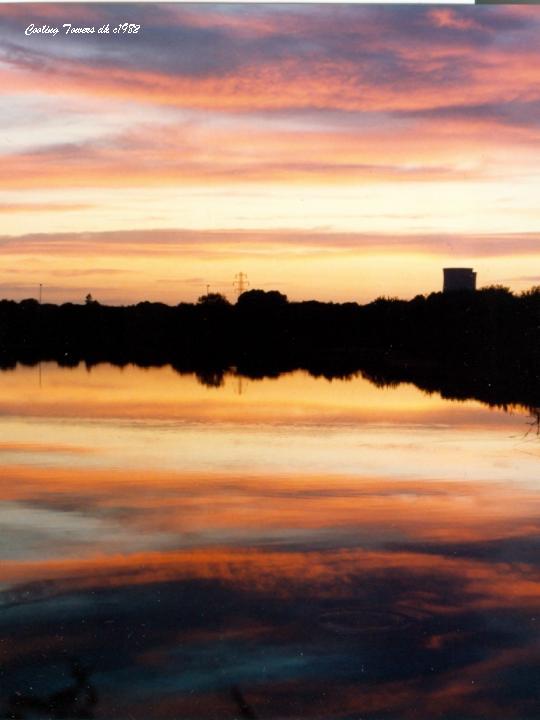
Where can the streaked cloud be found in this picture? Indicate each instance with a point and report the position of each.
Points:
(41, 207)
(251, 242)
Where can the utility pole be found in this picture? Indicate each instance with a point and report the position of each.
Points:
(241, 283)
(207, 289)
(40, 288)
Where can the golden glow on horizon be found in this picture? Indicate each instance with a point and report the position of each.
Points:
(105, 391)
(175, 276)
(338, 427)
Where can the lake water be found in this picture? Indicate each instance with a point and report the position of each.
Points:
(279, 548)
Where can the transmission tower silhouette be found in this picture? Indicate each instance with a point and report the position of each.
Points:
(241, 283)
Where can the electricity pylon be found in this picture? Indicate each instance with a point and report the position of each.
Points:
(241, 283)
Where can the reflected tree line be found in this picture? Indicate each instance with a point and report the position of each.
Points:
(483, 344)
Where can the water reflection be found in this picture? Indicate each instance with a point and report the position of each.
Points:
(74, 701)
(304, 549)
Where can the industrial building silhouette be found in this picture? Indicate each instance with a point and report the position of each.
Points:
(456, 279)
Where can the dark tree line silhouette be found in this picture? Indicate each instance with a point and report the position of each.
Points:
(483, 344)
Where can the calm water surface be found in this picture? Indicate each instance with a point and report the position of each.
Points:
(284, 548)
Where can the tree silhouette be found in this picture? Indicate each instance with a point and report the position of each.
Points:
(262, 299)
(213, 299)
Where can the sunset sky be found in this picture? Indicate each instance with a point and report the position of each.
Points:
(330, 152)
